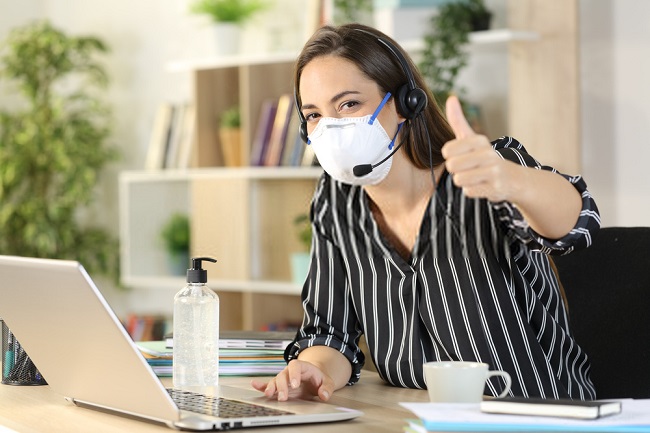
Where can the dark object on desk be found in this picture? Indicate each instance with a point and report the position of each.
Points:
(564, 408)
(17, 367)
(608, 291)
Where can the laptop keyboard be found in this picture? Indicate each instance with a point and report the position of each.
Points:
(220, 407)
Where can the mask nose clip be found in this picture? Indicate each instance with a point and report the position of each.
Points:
(343, 126)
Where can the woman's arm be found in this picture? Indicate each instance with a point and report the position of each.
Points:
(330, 361)
(325, 355)
(550, 204)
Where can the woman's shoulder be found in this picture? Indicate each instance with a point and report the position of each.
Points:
(511, 149)
(508, 142)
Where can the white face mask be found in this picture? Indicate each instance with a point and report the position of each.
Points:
(343, 143)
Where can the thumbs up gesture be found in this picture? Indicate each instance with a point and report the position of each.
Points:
(473, 163)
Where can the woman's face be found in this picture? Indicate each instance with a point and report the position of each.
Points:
(331, 86)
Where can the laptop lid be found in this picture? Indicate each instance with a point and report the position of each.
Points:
(74, 338)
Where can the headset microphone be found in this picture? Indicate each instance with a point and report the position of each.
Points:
(363, 169)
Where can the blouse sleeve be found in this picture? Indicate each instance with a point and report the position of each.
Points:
(588, 223)
(329, 316)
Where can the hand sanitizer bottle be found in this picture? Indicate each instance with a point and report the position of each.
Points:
(196, 332)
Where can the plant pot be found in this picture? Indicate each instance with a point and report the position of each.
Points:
(178, 262)
(231, 146)
(299, 267)
(227, 36)
(481, 22)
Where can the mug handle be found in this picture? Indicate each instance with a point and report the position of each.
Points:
(506, 378)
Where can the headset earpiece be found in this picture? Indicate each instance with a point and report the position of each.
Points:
(409, 98)
(302, 129)
(410, 102)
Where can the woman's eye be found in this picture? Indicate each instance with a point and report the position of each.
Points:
(310, 117)
(348, 105)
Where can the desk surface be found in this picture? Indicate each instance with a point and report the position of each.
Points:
(37, 409)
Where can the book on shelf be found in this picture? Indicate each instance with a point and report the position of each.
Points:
(147, 327)
(294, 146)
(566, 408)
(277, 140)
(159, 137)
(172, 137)
(175, 133)
(187, 137)
(263, 131)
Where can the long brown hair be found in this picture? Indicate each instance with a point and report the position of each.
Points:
(382, 67)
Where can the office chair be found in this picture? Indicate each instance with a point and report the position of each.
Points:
(607, 287)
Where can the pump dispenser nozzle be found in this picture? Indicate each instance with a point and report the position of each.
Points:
(196, 274)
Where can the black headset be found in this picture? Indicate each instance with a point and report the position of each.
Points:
(410, 99)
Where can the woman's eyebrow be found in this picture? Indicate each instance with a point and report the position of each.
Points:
(332, 100)
(343, 94)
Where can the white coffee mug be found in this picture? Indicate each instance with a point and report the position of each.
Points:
(460, 382)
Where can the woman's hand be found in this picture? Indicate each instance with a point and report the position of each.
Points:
(473, 163)
(299, 379)
(550, 204)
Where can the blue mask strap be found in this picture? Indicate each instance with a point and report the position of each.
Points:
(381, 105)
(392, 143)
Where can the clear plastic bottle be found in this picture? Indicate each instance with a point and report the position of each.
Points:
(196, 332)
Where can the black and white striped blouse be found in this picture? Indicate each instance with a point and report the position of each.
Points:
(477, 286)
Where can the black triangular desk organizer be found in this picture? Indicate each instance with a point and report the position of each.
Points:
(17, 367)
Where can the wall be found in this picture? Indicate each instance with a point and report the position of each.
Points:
(12, 13)
(615, 63)
(598, 105)
(631, 98)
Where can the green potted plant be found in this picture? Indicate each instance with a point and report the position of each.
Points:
(300, 259)
(227, 16)
(52, 148)
(444, 55)
(230, 137)
(351, 11)
(175, 234)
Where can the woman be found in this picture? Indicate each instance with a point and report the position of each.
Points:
(437, 253)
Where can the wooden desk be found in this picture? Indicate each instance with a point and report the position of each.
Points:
(37, 409)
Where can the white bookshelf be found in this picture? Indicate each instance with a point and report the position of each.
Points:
(256, 59)
(486, 37)
(148, 198)
(495, 36)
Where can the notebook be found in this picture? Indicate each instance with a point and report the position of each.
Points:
(78, 344)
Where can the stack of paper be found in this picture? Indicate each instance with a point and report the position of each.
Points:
(241, 353)
(463, 417)
(255, 339)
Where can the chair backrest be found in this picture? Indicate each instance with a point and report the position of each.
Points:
(608, 290)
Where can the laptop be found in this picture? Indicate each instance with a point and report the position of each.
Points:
(78, 344)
